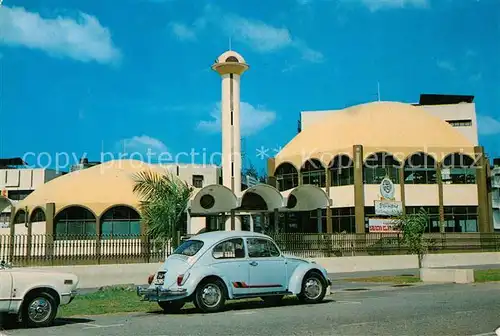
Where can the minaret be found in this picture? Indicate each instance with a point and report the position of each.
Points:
(230, 66)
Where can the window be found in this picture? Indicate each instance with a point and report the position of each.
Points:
(198, 181)
(121, 222)
(460, 219)
(458, 169)
(75, 223)
(343, 220)
(20, 217)
(341, 171)
(229, 249)
(378, 166)
(420, 168)
(460, 122)
(38, 216)
(432, 211)
(189, 248)
(261, 248)
(18, 195)
(286, 176)
(313, 173)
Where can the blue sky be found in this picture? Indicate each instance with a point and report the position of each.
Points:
(97, 74)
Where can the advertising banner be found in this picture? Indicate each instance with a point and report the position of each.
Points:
(381, 225)
(388, 208)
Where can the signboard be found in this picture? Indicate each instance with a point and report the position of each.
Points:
(387, 189)
(379, 225)
(388, 208)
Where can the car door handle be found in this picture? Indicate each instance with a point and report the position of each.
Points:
(253, 263)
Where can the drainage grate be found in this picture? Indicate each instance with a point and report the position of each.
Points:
(355, 289)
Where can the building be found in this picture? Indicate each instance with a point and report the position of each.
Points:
(495, 193)
(17, 182)
(100, 199)
(381, 157)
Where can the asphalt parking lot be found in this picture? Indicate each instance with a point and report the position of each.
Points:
(472, 310)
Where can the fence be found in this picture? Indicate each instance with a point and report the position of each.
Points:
(40, 250)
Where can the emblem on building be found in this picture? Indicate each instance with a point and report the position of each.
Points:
(387, 189)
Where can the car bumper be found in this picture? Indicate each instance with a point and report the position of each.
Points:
(68, 297)
(160, 293)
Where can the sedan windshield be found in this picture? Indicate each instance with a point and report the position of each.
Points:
(189, 247)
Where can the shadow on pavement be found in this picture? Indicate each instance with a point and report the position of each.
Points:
(235, 306)
(11, 324)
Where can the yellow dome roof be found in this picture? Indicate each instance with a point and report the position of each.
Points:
(98, 187)
(398, 128)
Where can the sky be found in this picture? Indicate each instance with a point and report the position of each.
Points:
(83, 78)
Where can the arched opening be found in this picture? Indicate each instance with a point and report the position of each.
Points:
(120, 222)
(379, 165)
(253, 201)
(269, 198)
(74, 223)
(286, 176)
(213, 199)
(38, 215)
(458, 169)
(313, 173)
(341, 171)
(420, 168)
(20, 217)
(232, 59)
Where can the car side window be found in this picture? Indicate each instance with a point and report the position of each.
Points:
(261, 248)
(229, 249)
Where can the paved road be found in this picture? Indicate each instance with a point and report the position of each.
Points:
(442, 310)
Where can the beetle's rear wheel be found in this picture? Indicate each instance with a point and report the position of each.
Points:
(313, 288)
(210, 296)
(39, 310)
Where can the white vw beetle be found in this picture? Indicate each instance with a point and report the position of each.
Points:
(33, 296)
(213, 267)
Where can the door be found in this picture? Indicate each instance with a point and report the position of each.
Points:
(229, 261)
(5, 290)
(267, 267)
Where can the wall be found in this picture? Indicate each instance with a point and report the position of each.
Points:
(457, 112)
(421, 194)
(342, 196)
(460, 194)
(120, 274)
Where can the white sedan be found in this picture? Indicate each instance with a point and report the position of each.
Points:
(33, 296)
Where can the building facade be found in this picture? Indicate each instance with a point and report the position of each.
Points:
(382, 157)
(495, 193)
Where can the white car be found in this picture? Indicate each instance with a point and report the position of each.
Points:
(34, 296)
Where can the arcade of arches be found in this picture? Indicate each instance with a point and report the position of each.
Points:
(418, 168)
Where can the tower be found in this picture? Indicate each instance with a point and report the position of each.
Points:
(230, 66)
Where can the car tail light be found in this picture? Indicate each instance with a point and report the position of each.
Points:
(150, 279)
(181, 279)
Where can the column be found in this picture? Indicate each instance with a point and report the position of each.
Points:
(359, 189)
(402, 185)
(439, 166)
(29, 238)
(276, 220)
(484, 222)
(271, 167)
(12, 230)
(328, 179)
(50, 209)
(319, 220)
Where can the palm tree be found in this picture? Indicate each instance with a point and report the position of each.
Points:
(164, 203)
(413, 227)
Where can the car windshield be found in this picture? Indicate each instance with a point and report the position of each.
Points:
(189, 247)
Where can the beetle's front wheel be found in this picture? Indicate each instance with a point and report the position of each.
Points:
(39, 310)
(210, 296)
(313, 288)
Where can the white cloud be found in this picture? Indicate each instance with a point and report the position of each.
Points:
(142, 144)
(260, 36)
(183, 32)
(83, 39)
(488, 125)
(375, 5)
(252, 120)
